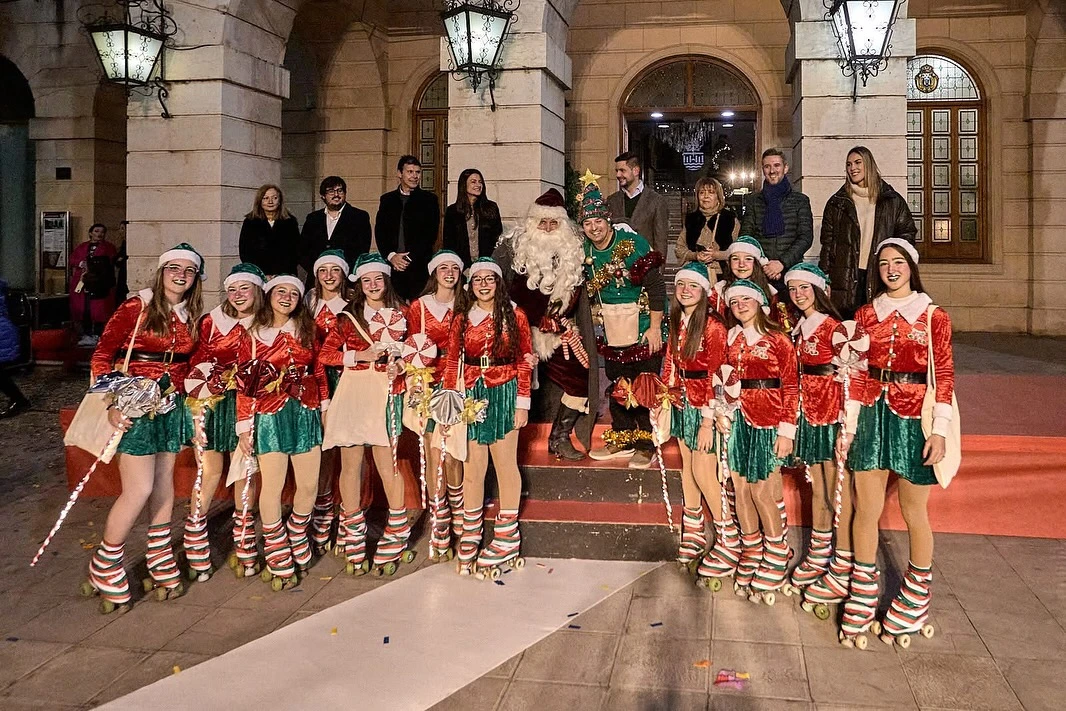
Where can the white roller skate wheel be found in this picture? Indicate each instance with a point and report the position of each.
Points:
(876, 627)
(739, 590)
(480, 575)
(789, 590)
(927, 631)
(887, 639)
(521, 563)
(769, 598)
(807, 606)
(203, 577)
(904, 641)
(495, 574)
(861, 642)
(846, 641)
(755, 597)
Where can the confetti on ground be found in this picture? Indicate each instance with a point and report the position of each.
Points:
(573, 614)
(333, 632)
(541, 565)
(386, 640)
(509, 570)
(12, 639)
(257, 598)
(499, 582)
(703, 664)
(574, 627)
(177, 669)
(296, 590)
(656, 624)
(732, 679)
(606, 587)
(326, 577)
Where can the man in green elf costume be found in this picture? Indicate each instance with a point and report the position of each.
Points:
(623, 276)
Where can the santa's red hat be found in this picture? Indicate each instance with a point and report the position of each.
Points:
(551, 204)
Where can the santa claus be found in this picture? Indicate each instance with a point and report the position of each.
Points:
(543, 262)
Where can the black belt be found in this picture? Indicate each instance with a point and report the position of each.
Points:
(487, 362)
(151, 357)
(760, 384)
(694, 374)
(895, 376)
(826, 369)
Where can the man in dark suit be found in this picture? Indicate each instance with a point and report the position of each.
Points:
(338, 225)
(406, 228)
(638, 205)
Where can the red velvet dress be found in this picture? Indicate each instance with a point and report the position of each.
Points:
(695, 378)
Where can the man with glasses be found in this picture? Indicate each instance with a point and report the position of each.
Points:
(406, 228)
(337, 225)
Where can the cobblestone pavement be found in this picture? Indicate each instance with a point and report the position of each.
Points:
(999, 605)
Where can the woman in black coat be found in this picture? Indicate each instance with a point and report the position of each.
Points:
(865, 211)
(270, 236)
(472, 224)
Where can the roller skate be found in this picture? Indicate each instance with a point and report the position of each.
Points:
(322, 523)
(815, 564)
(297, 526)
(164, 577)
(351, 542)
(455, 503)
(751, 552)
(860, 607)
(831, 588)
(693, 538)
(772, 572)
(469, 541)
(280, 570)
(910, 608)
(244, 560)
(197, 548)
(720, 561)
(503, 550)
(107, 578)
(390, 551)
(440, 538)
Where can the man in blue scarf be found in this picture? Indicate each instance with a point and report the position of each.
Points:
(779, 217)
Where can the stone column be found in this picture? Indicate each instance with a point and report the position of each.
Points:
(520, 146)
(192, 178)
(826, 122)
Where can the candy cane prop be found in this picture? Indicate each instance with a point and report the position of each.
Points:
(254, 377)
(420, 354)
(134, 397)
(446, 408)
(849, 354)
(726, 384)
(204, 391)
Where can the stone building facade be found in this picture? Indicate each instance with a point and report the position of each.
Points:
(289, 91)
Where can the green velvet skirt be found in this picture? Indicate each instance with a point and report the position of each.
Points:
(220, 424)
(294, 429)
(499, 415)
(815, 443)
(685, 424)
(751, 450)
(884, 440)
(162, 433)
(333, 376)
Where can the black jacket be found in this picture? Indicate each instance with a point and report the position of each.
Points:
(798, 237)
(275, 250)
(489, 229)
(352, 234)
(421, 223)
(841, 239)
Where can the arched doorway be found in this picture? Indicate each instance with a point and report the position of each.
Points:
(691, 117)
(430, 126)
(17, 226)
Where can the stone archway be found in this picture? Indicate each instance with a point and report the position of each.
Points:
(16, 178)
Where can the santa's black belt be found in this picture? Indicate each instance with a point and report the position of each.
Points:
(150, 357)
(760, 384)
(826, 369)
(487, 362)
(896, 376)
(694, 374)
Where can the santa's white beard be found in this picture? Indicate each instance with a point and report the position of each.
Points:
(551, 261)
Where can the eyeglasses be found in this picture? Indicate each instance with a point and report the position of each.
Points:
(334, 191)
(483, 280)
(176, 270)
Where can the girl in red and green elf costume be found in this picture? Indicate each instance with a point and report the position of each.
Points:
(883, 433)
(761, 434)
(158, 322)
(327, 299)
(492, 339)
(220, 334)
(287, 424)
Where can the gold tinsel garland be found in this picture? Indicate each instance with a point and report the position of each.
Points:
(611, 269)
(625, 439)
